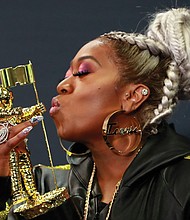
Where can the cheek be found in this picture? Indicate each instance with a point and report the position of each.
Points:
(84, 113)
(106, 98)
(99, 106)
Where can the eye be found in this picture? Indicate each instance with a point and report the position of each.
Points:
(81, 73)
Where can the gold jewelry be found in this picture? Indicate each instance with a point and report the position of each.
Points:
(89, 189)
(122, 131)
(113, 198)
(69, 153)
(28, 200)
(34, 203)
(87, 200)
(4, 213)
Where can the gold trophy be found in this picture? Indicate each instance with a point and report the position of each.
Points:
(25, 196)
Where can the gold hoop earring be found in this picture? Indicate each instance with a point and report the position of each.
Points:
(69, 153)
(122, 131)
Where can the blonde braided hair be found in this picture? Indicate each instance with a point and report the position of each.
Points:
(167, 43)
(172, 28)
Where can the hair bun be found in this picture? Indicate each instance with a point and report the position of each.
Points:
(172, 29)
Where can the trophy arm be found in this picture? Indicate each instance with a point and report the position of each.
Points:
(29, 112)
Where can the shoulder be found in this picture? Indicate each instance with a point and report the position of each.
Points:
(47, 170)
(59, 167)
(178, 170)
(177, 178)
(45, 180)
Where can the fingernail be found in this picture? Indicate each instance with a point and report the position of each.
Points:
(36, 119)
(26, 130)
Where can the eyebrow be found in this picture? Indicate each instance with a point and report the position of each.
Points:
(88, 57)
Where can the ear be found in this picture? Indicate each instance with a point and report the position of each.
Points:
(133, 96)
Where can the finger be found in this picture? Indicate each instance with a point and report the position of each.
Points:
(17, 139)
(22, 147)
(18, 128)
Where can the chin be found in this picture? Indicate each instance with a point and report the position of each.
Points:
(62, 134)
(66, 136)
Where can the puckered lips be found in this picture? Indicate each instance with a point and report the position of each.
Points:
(55, 106)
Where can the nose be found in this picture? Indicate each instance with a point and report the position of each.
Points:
(64, 87)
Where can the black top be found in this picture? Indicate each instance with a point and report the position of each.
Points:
(156, 185)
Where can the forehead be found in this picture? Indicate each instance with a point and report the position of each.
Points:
(94, 48)
(94, 44)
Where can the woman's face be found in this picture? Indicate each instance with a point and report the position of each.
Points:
(84, 101)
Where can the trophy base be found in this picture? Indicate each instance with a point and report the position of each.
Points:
(33, 208)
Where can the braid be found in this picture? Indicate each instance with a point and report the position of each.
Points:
(173, 29)
(171, 81)
(169, 99)
(168, 36)
(143, 42)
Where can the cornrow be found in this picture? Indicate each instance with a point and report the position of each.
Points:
(143, 42)
(171, 82)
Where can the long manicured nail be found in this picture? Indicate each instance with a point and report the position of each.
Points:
(26, 130)
(36, 119)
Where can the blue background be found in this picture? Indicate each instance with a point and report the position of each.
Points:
(49, 33)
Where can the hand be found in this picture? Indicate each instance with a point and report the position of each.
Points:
(16, 136)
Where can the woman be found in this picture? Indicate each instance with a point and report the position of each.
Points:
(112, 104)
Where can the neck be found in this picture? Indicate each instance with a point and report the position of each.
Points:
(110, 168)
(108, 164)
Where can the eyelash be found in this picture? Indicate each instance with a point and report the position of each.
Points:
(81, 73)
